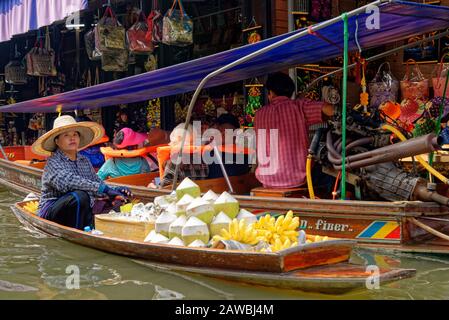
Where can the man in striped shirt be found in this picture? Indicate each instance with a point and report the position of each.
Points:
(282, 133)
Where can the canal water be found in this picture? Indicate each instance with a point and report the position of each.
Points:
(34, 266)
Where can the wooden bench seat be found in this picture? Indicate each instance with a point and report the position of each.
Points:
(280, 192)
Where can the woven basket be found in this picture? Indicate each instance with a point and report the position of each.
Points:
(15, 73)
(41, 62)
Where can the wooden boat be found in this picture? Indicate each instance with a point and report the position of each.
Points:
(321, 266)
(391, 226)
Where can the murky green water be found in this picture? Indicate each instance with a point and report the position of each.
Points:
(33, 266)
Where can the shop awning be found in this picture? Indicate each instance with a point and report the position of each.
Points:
(398, 20)
(20, 16)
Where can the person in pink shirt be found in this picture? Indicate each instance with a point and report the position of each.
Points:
(282, 133)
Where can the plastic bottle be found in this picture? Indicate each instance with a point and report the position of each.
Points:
(87, 229)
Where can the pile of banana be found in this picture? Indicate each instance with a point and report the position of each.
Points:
(239, 231)
(32, 206)
(311, 239)
(278, 233)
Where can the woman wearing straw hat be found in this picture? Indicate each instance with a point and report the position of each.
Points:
(69, 182)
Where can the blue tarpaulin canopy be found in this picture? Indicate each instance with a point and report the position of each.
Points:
(398, 20)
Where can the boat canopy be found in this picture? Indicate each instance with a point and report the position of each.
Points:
(397, 20)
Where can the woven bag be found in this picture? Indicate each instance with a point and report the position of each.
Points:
(109, 33)
(177, 27)
(414, 85)
(384, 87)
(41, 59)
(439, 81)
(15, 73)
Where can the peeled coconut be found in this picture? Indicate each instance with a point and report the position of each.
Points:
(182, 204)
(165, 201)
(163, 223)
(195, 229)
(150, 236)
(221, 221)
(201, 209)
(171, 208)
(159, 238)
(247, 216)
(189, 187)
(197, 244)
(228, 204)
(175, 229)
(138, 209)
(176, 242)
(210, 196)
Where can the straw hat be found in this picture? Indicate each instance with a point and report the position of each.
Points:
(90, 132)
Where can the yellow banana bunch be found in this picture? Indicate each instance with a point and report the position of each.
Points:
(31, 206)
(311, 239)
(239, 231)
(278, 245)
(270, 229)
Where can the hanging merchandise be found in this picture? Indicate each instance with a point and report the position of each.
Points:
(209, 107)
(36, 122)
(55, 85)
(154, 114)
(93, 53)
(137, 40)
(110, 41)
(414, 85)
(384, 87)
(15, 70)
(177, 27)
(151, 63)
(41, 59)
(154, 21)
(439, 79)
(427, 51)
(253, 32)
(321, 10)
(254, 102)
(180, 112)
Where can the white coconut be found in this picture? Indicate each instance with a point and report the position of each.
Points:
(163, 223)
(189, 187)
(247, 216)
(195, 229)
(176, 242)
(171, 208)
(197, 244)
(210, 196)
(150, 236)
(182, 204)
(201, 209)
(165, 201)
(221, 221)
(159, 238)
(175, 229)
(228, 204)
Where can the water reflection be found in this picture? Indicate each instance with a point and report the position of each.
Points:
(33, 266)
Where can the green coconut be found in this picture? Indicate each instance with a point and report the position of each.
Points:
(210, 196)
(228, 204)
(159, 238)
(150, 236)
(171, 208)
(182, 204)
(163, 223)
(189, 187)
(221, 221)
(175, 229)
(197, 244)
(195, 229)
(165, 201)
(201, 209)
(247, 216)
(176, 242)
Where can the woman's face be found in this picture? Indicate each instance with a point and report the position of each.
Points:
(68, 141)
(124, 117)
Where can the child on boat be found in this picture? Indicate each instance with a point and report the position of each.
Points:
(69, 182)
(130, 156)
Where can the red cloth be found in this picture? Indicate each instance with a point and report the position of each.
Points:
(292, 119)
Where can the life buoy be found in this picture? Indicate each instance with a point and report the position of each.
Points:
(108, 152)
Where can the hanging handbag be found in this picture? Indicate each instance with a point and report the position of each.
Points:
(414, 86)
(89, 41)
(109, 33)
(154, 21)
(15, 73)
(177, 27)
(439, 81)
(114, 60)
(384, 87)
(137, 40)
(41, 59)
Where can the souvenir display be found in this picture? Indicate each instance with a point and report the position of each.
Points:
(154, 21)
(137, 40)
(254, 103)
(384, 87)
(15, 73)
(177, 26)
(440, 85)
(414, 85)
(41, 59)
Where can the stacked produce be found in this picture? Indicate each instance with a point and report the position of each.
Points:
(185, 218)
(32, 206)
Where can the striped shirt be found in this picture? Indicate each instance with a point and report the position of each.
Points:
(284, 165)
(62, 175)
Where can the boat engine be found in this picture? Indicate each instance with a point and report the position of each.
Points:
(372, 160)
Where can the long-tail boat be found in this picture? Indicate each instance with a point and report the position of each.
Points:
(414, 226)
(320, 267)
